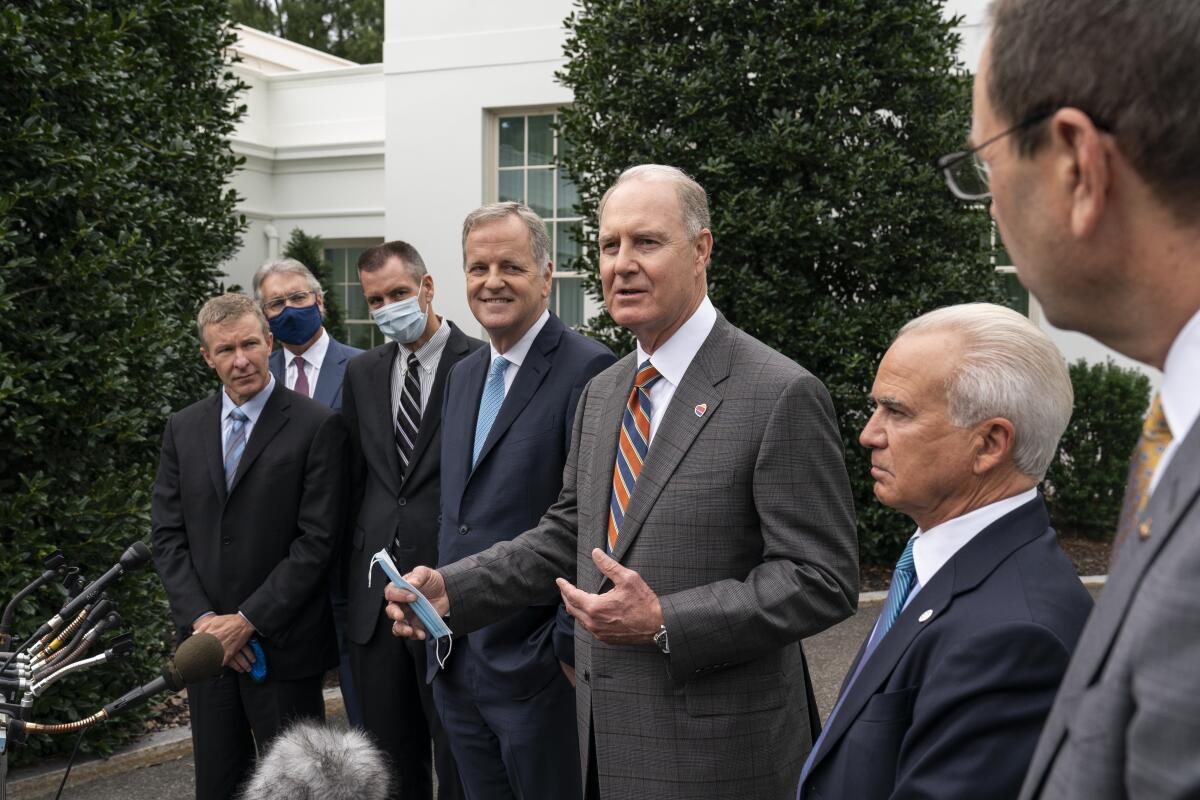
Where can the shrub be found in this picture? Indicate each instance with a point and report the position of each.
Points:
(813, 128)
(1086, 482)
(310, 251)
(114, 217)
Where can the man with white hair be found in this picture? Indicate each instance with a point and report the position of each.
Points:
(949, 691)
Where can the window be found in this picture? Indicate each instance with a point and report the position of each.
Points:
(360, 328)
(1016, 295)
(527, 147)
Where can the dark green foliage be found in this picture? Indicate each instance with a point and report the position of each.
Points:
(351, 29)
(114, 217)
(310, 251)
(1086, 482)
(813, 127)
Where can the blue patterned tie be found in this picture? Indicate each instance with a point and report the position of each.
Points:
(902, 583)
(489, 405)
(235, 446)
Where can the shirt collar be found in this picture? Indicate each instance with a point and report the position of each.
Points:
(253, 407)
(1181, 380)
(431, 351)
(676, 354)
(314, 356)
(934, 547)
(516, 354)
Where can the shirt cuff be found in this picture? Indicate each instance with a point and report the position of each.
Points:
(251, 624)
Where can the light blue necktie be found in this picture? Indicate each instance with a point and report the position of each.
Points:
(489, 405)
(235, 446)
(904, 579)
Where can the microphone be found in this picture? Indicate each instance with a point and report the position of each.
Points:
(134, 556)
(200, 657)
(313, 760)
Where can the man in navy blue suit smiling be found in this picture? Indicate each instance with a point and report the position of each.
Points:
(950, 690)
(505, 694)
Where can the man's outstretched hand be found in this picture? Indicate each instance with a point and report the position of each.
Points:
(405, 623)
(628, 614)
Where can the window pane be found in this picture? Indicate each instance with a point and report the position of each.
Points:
(360, 335)
(568, 195)
(512, 141)
(510, 186)
(541, 140)
(566, 298)
(1016, 294)
(565, 246)
(356, 305)
(541, 188)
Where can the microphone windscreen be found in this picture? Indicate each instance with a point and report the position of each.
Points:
(135, 556)
(197, 659)
(312, 760)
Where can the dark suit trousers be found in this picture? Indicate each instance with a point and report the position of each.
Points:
(232, 716)
(508, 749)
(398, 712)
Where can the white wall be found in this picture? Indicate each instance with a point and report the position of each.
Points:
(447, 65)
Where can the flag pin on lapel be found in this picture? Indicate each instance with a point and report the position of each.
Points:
(700, 409)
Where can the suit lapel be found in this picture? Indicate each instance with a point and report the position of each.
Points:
(213, 452)
(679, 427)
(333, 369)
(380, 378)
(270, 422)
(604, 456)
(530, 376)
(431, 417)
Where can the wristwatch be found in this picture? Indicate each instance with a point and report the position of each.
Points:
(660, 639)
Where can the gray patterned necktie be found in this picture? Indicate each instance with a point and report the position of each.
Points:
(235, 446)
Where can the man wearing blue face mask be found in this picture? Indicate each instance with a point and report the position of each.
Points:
(311, 363)
(392, 403)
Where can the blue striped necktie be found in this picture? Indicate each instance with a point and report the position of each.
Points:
(235, 446)
(632, 446)
(903, 579)
(489, 405)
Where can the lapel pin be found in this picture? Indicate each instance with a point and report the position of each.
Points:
(925, 615)
(1144, 529)
(700, 409)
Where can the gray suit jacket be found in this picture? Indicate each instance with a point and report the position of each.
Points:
(1126, 722)
(743, 524)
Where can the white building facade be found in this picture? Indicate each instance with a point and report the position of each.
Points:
(460, 113)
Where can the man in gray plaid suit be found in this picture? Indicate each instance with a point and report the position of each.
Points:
(705, 527)
(1087, 118)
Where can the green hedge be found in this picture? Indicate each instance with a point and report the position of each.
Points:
(114, 219)
(1086, 482)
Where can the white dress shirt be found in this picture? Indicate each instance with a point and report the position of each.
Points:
(313, 357)
(428, 357)
(1180, 390)
(674, 357)
(516, 354)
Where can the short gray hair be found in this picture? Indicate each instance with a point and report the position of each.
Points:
(281, 266)
(693, 200)
(227, 307)
(1009, 369)
(539, 237)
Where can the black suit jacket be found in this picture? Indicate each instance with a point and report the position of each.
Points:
(264, 548)
(951, 702)
(385, 502)
(518, 477)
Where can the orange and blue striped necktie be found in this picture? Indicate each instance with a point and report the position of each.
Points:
(631, 450)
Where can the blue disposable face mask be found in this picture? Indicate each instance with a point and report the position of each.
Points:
(402, 322)
(296, 325)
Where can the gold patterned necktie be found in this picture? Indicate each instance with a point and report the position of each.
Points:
(1155, 438)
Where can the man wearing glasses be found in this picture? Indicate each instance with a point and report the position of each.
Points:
(1087, 131)
(312, 363)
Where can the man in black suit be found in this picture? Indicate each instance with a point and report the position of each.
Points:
(247, 509)
(392, 402)
(507, 707)
(948, 693)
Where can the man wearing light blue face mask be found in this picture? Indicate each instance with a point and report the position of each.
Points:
(392, 403)
(311, 363)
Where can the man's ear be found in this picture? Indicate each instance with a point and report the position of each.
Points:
(207, 359)
(1085, 167)
(995, 439)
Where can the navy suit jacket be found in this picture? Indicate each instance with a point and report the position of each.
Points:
(951, 702)
(329, 381)
(518, 477)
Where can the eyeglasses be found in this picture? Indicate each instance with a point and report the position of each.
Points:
(967, 174)
(295, 299)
